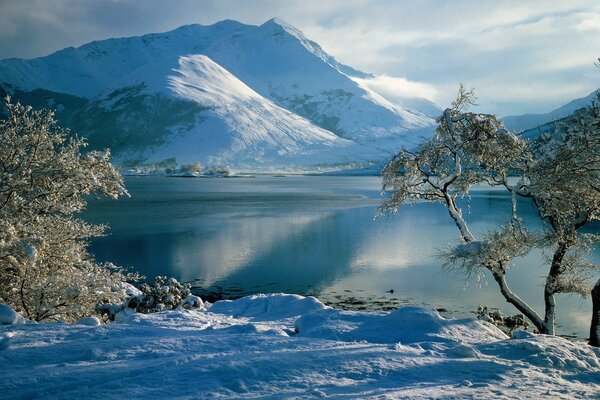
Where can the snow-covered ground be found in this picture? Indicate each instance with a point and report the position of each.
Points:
(288, 346)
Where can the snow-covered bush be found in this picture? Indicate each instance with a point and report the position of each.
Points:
(220, 170)
(46, 272)
(164, 294)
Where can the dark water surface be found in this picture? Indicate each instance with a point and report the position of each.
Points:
(312, 235)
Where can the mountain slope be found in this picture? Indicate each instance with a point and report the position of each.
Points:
(88, 70)
(216, 119)
(123, 93)
(281, 64)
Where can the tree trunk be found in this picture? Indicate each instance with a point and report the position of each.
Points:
(550, 306)
(456, 215)
(550, 288)
(516, 301)
(497, 271)
(544, 326)
(595, 327)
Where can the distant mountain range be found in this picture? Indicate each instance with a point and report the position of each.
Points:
(528, 123)
(251, 97)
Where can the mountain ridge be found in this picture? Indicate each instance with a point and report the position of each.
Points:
(117, 94)
(527, 122)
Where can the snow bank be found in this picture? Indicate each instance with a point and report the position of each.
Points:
(405, 325)
(549, 352)
(269, 307)
(248, 348)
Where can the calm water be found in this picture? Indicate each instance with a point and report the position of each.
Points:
(311, 235)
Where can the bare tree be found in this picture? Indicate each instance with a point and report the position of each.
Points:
(559, 173)
(46, 272)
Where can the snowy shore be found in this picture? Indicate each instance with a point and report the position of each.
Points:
(288, 346)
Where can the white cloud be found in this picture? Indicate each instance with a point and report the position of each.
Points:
(589, 23)
(393, 88)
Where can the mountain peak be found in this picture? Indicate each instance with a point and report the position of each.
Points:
(279, 22)
(282, 25)
(226, 23)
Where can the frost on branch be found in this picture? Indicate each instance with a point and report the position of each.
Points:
(466, 149)
(46, 271)
(498, 247)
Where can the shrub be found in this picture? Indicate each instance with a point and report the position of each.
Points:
(46, 272)
(164, 294)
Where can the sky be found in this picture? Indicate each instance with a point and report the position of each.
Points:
(519, 56)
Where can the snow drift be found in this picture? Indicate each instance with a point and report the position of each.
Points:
(288, 346)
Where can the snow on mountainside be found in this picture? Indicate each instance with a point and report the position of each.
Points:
(148, 97)
(281, 64)
(88, 70)
(532, 121)
(227, 123)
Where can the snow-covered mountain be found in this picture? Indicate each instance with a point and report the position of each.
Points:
(532, 121)
(247, 96)
(223, 120)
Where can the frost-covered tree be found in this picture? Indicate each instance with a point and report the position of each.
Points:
(46, 271)
(220, 170)
(191, 169)
(559, 172)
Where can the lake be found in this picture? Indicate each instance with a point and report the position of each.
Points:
(313, 235)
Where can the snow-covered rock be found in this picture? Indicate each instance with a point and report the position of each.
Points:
(8, 316)
(192, 301)
(130, 290)
(269, 306)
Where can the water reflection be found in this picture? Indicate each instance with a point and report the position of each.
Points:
(312, 235)
(309, 260)
(236, 244)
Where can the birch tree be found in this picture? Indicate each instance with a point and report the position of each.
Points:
(559, 172)
(46, 271)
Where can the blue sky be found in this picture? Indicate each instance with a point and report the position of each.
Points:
(520, 56)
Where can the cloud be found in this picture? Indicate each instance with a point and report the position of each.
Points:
(394, 88)
(589, 23)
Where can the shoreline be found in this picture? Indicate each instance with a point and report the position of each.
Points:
(353, 301)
